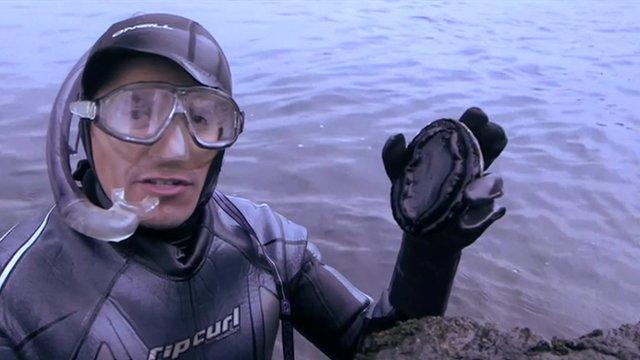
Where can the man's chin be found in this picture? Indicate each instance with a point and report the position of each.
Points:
(162, 222)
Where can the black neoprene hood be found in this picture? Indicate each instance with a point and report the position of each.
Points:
(179, 39)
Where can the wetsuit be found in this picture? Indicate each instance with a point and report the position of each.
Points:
(66, 296)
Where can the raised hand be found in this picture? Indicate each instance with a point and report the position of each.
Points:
(440, 192)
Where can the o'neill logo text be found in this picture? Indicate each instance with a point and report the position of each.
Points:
(221, 328)
(140, 26)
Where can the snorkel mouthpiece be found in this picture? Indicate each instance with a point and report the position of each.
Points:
(141, 209)
(114, 224)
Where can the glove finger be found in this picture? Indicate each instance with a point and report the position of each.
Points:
(394, 156)
(475, 220)
(475, 119)
(483, 190)
(492, 140)
(490, 136)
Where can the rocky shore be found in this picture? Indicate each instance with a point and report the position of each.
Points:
(464, 338)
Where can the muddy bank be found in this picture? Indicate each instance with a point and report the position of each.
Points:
(463, 338)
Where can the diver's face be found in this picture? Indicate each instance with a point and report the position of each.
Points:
(173, 169)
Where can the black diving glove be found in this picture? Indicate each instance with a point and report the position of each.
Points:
(440, 193)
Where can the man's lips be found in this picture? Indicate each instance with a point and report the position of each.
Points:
(164, 186)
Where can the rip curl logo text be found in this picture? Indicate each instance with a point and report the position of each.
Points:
(216, 331)
(140, 26)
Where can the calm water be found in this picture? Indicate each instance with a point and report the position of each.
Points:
(324, 84)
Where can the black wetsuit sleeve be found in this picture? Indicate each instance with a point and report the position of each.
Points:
(335, 316)
(326, 310)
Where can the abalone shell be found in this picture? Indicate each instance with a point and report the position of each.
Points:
(443, 158)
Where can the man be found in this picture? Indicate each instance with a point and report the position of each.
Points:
(147, 261)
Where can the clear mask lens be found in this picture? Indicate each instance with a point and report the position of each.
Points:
(213, 120)
(138, 114)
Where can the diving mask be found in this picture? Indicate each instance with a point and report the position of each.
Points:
(139, 113)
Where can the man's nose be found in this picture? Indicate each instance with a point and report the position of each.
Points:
(175, 141)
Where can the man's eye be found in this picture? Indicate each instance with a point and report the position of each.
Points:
(200, 119)
(138, 114)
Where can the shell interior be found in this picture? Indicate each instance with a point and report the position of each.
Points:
(445, 157)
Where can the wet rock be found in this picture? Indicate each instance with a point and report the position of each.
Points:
(464, 338)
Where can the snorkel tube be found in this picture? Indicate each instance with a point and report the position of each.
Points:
(114, 224)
